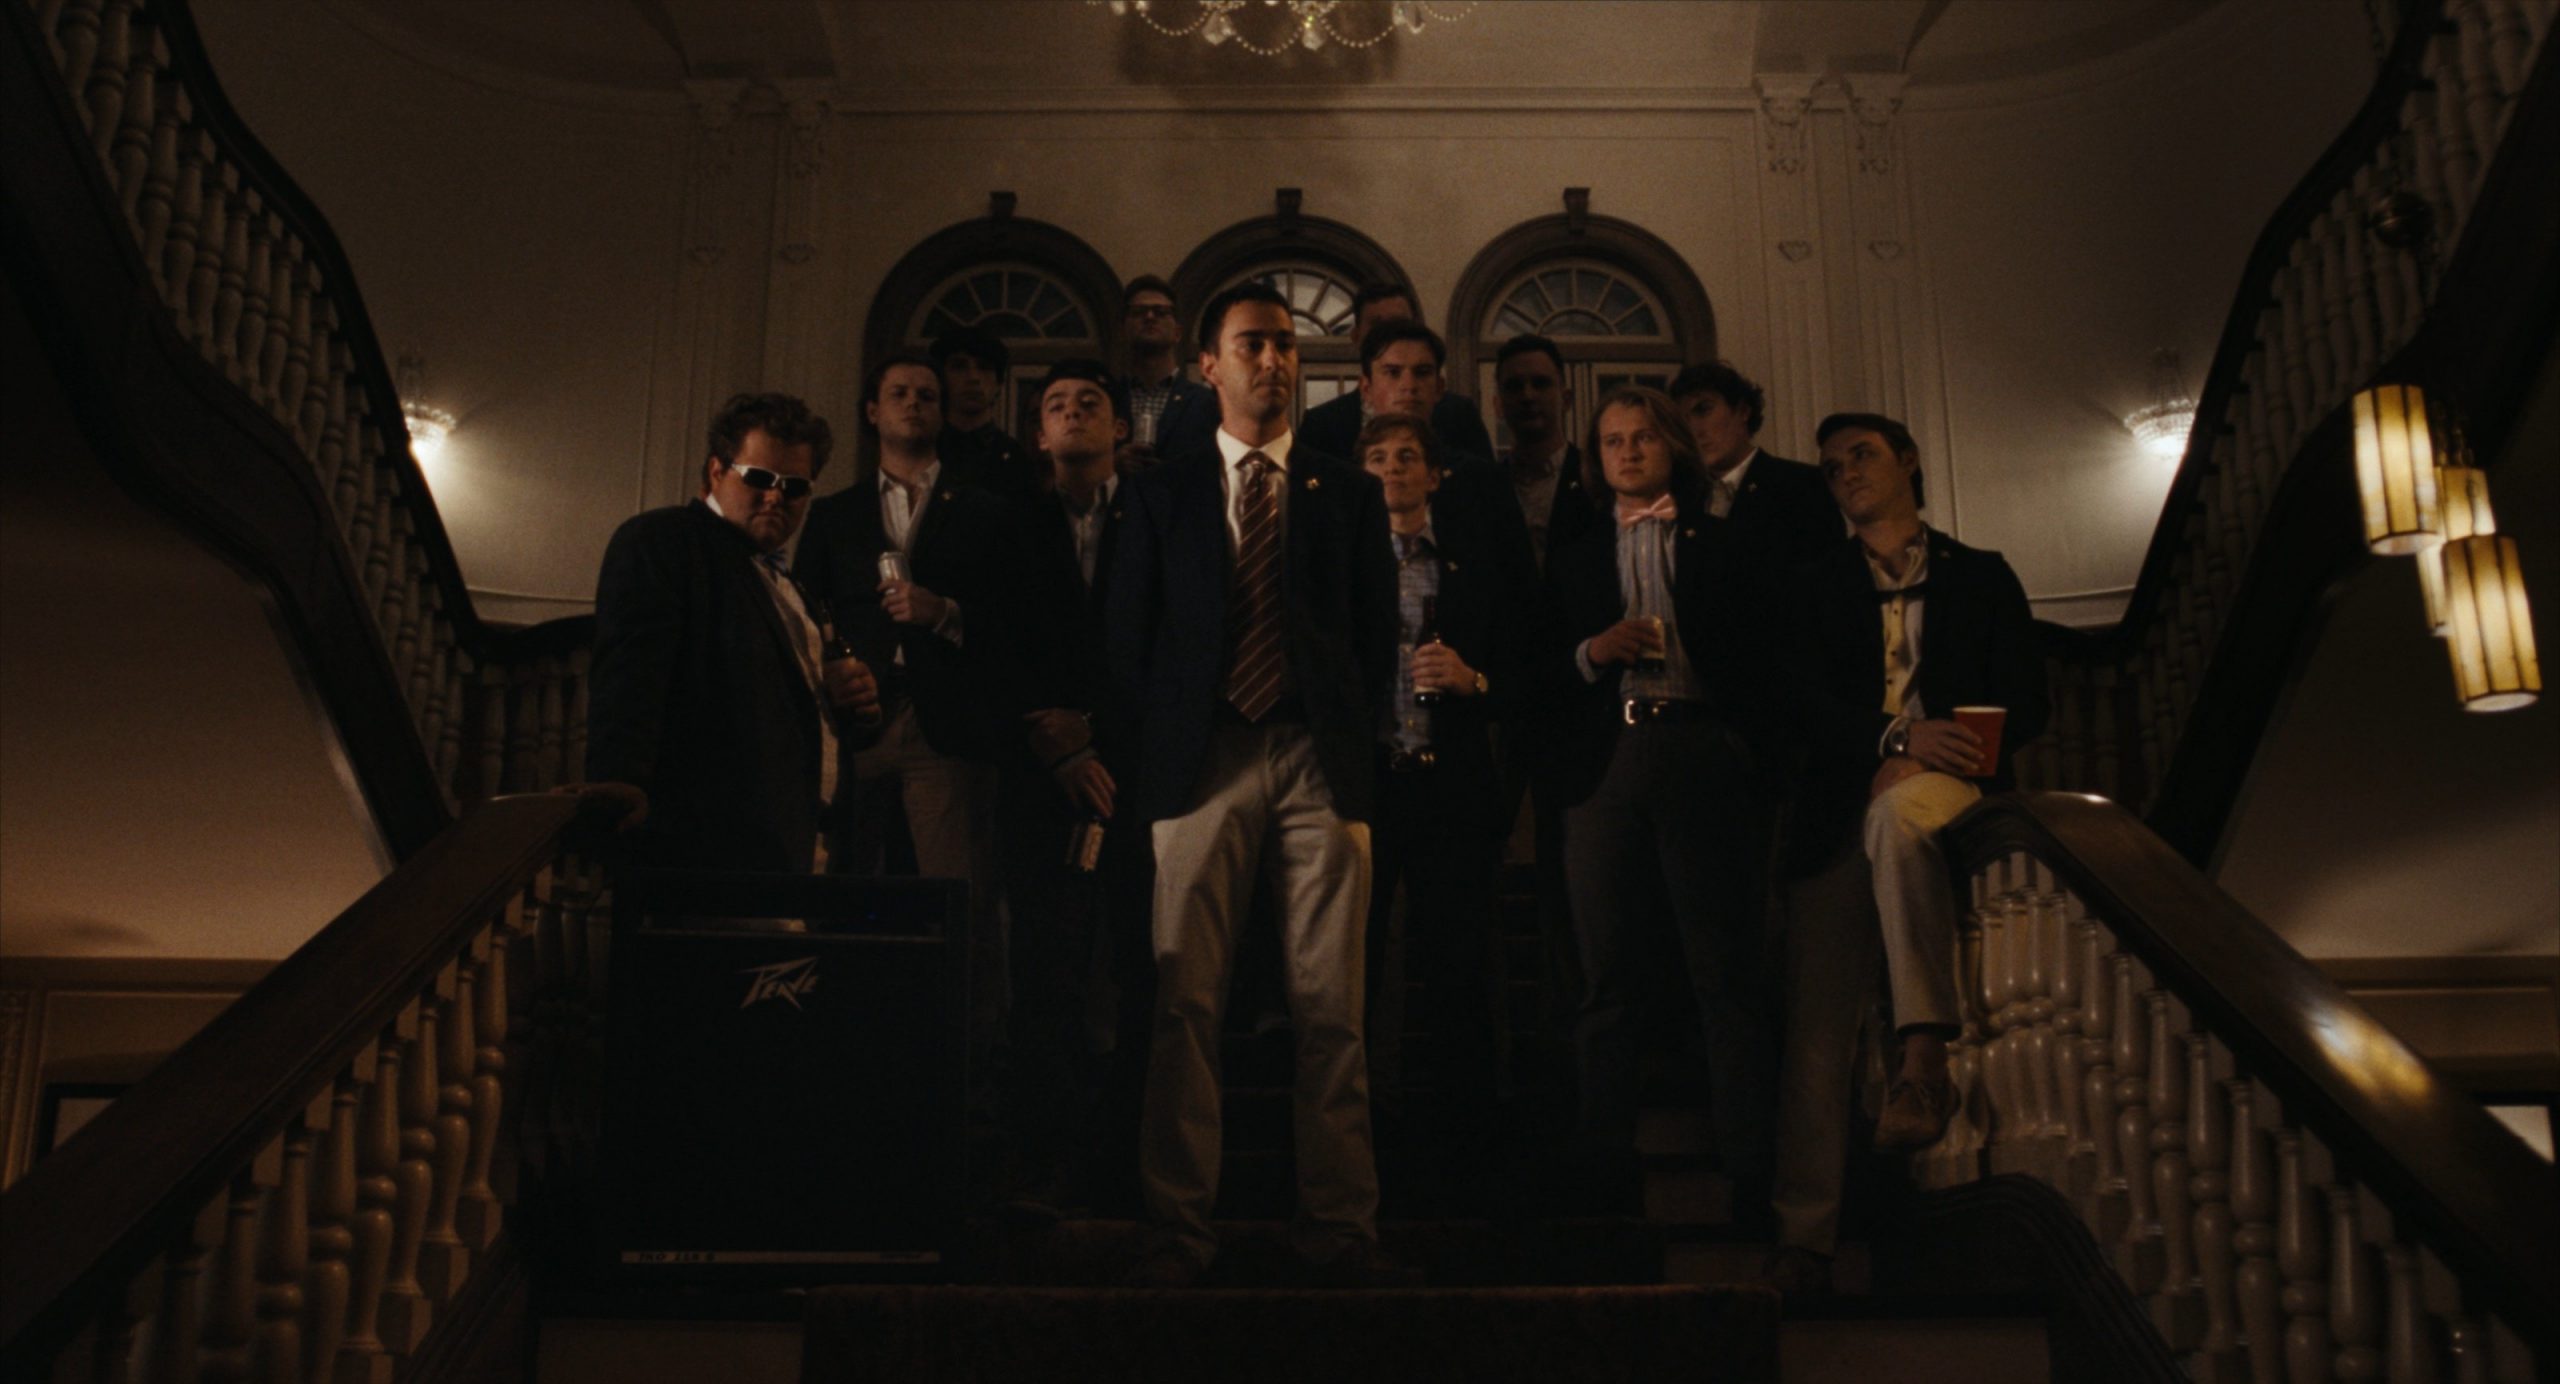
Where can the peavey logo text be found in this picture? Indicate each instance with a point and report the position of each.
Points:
(783, 980)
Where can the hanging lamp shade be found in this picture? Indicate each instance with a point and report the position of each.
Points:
(2464, 493)
(2396, 469)
(2491, 639)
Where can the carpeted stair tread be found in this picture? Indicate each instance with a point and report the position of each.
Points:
(1450, 1253)
(1481, 1335)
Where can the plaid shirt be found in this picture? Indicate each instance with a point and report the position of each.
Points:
(1417, 584)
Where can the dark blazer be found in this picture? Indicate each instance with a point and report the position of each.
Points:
(990, 459)
(1785, 510)
(1167, 619)
(1977, 648)
(1191, 413)
(1063, 654)
(1483, 613)
(1721, 600)
(962, 549)
(1333, 427)
(696, 697)
(1572, 514)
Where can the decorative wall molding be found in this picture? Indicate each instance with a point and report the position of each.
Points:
(1785, 99)
(1875, 98)
(804, 154)
(709, 188)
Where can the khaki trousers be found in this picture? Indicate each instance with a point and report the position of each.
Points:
(1915, 901)
(1262, 804)
(950, 807)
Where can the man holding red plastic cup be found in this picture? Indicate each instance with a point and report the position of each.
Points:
(1914, 675)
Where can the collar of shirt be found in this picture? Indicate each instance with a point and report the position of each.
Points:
(1422, 542)
(1101, 499)
(923, 484)
(1733, 479)
(1233, 450)
(1915, 564)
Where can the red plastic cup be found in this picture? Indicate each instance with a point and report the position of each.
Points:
(1984, 721)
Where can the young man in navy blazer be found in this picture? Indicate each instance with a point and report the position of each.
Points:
(1891, 632)
(1252, 618)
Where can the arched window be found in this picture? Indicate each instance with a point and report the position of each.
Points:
(1042, 291)
(1622, 306)
(1317, 266)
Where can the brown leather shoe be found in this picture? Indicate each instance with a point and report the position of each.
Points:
(1915, 1113)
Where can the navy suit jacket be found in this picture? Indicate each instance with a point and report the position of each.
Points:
(1334, 425)
(1977, 648)
(1167, 620)
(1483, 610)
(1063, 650)
(697, 697)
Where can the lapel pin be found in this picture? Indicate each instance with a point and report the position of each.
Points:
(1688, 533)
(942, 495)
(1311, 481)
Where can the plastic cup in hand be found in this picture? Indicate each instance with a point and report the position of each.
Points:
(893, 566)
(1655, 660)
(1984, 721)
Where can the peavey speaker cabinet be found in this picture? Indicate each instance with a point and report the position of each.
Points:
(783, 1105)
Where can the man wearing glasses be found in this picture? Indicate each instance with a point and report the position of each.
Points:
(1157, 389)
(710, 690)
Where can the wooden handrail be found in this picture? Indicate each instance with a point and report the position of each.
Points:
(85, 1219)
(2452, 1178)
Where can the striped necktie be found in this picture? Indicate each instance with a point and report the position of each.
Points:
(1257, 665)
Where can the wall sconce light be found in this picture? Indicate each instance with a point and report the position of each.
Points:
(2494, 666)
(2463, 491)
(2396, 470)
(429, 426)
(2162, 425)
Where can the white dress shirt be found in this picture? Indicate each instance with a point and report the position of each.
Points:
(1232, 450)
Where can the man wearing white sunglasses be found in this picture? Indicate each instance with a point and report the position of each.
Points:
(711, 690)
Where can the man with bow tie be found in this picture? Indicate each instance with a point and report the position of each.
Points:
(1890, 633)
(709, 690)
(1657, 642)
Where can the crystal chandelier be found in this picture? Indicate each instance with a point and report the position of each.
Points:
(1310, 24)
(429, 426)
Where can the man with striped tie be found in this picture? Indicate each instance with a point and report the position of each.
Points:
(1252, 619)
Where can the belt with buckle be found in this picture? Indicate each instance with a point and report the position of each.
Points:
(1639, 710)
(1411, 761)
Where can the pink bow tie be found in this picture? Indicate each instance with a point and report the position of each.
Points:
(1631, 513)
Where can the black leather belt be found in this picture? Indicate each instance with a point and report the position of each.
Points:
(1410, 761)
(1639, 710)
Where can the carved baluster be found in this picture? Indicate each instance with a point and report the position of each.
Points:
(328, 1284)
(2355, 1311)
(232, 1302)
(493, 730)
(2302, 1253)
(2175, 1310)
(1993, 1114)
(2259, 1285)
(2510, 45)
(2319, 368)
(177, 1338)
(446, 1261)
(2110, 1195)
(272, 349)
(555, 725)
(213, 233)
(296, 400)
(575, 701)
(248, 340)
(2427, 163)
(137, 126)
(361, 1359)
(2209, 1150)
(103, 94)
(486, 1029)
(75, 34)
(177, 262)
(2364, 316)
(231, 295)
(2480, 105)
(405, 1311)
(156, 200)
(2138, 1253)
(284, 1253)
(118, 1328)
(2070, 996)
(2416, 1355)
(337, 440)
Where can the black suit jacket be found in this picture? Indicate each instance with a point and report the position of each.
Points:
(1191, 414)
(990, 459)
(962, 548)
(1721, 600)
(1572, 514)
(1483, 611)
(1785, 510)
(1167, 619)
(1977, 648)
(696, 696)
(1333, 427)
(1065, 660)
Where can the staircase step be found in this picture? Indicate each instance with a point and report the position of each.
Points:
(1477, 1334)
(1943, 1350)
(1450, 1253)
(597, 1350)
